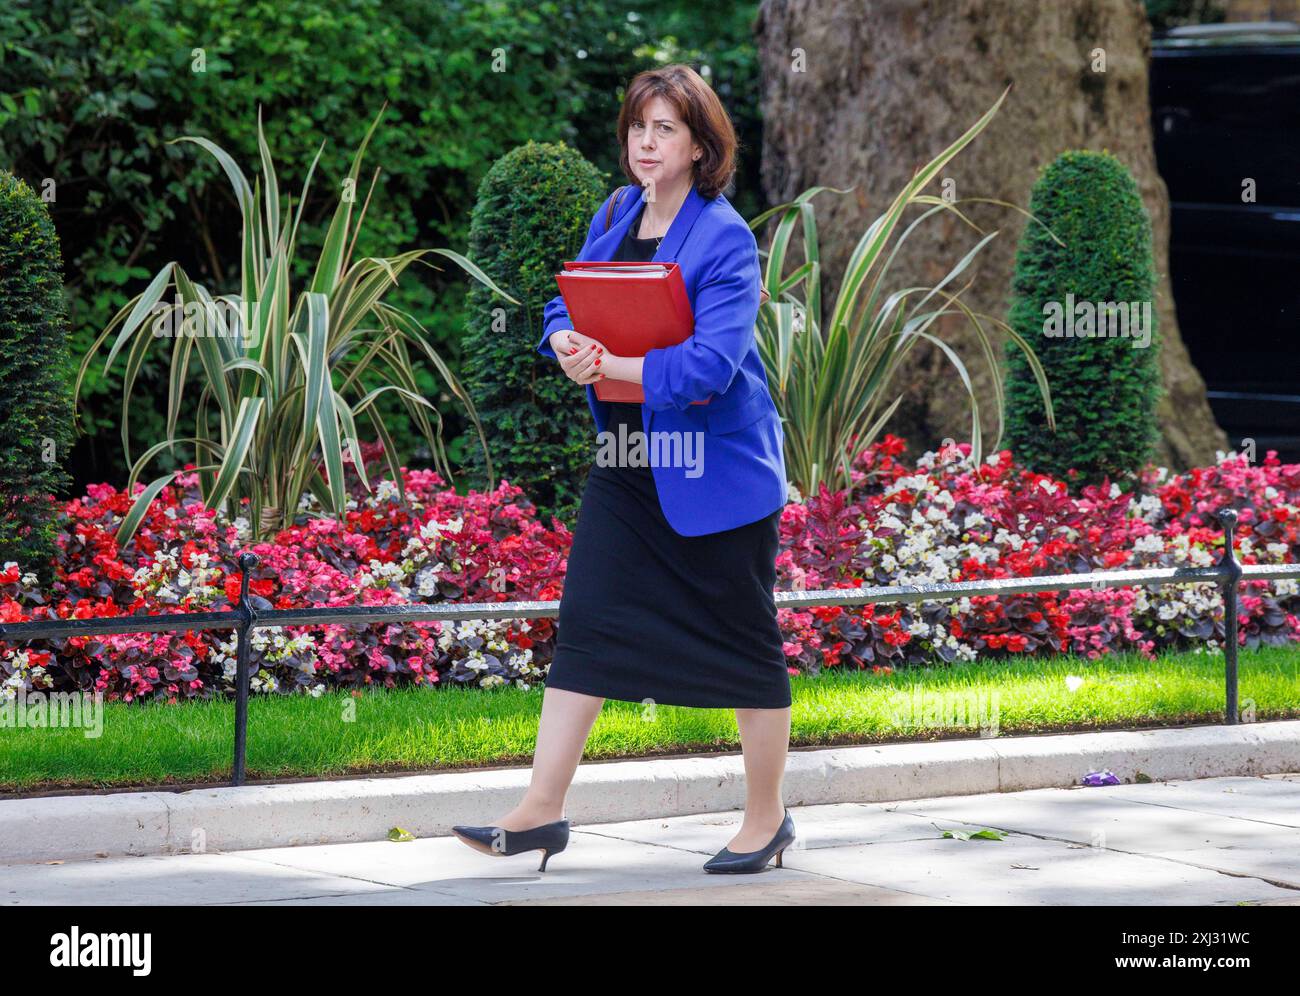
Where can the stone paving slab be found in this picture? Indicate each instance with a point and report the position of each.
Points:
(816, 892)
(1174, 820)
(1220, 841)
(189, 879)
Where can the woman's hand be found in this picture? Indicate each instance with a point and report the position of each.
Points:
(580, 355)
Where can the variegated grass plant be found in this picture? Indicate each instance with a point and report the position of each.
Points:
(282, 369)
(831, 379)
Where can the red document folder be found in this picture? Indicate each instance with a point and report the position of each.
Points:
(630, 307)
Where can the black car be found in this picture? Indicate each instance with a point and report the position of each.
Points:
(1225, 106)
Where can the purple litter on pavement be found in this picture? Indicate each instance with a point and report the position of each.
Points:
(1100, 778)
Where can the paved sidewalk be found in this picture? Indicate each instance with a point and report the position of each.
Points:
(1214, 841)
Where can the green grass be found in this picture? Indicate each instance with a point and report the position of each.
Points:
(446, 729)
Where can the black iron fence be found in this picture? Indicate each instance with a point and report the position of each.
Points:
(1228, 573)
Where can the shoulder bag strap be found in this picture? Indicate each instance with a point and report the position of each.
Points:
(613, 202)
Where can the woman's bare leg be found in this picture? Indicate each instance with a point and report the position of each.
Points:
(765, 740)
(567, 719)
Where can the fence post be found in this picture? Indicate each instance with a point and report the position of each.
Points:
(243, 634)
(1228, 584)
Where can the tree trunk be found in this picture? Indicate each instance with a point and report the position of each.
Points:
(889, 84)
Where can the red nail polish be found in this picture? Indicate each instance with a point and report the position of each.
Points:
(598, 363)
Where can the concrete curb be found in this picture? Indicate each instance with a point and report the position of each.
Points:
(364, 809)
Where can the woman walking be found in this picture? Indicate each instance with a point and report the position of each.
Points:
(668, 594)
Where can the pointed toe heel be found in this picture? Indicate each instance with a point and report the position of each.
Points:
(729, 862)
(549, 838)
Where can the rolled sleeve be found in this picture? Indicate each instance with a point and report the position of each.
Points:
(726, 308)
(555, 316)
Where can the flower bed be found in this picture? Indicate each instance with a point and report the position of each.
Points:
(941, 520)
(946, 520)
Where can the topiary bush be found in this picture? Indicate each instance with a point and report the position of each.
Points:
(1102, 363)
(534, 209)
(35, 400)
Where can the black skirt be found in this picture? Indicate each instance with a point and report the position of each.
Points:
(650, 615)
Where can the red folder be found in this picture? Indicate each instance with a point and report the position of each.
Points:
(630, 314)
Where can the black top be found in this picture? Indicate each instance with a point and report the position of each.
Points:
(633, 248)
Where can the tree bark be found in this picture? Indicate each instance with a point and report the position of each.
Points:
(889, 84)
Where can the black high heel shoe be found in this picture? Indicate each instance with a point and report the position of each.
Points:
(549, 838)
(730, 862)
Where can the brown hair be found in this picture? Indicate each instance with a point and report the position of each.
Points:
(701, 110)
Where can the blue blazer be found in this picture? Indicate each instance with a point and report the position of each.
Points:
(735, 471)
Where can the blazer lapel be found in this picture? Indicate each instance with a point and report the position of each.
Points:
(604, 246)
(680, 228)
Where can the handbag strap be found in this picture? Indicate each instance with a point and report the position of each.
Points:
(609, 211)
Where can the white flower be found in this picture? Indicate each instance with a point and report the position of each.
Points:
(1151, 543)
(1004, 538)
(1149, 508)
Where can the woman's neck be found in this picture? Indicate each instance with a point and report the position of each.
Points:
(664, 207)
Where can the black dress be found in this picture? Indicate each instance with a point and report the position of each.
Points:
(650, 615)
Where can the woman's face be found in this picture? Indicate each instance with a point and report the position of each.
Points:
(659, 146)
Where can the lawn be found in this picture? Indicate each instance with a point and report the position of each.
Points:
(296, 737)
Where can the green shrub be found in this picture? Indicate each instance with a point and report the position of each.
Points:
(284, 373)
(1105, 385)
(534, 208)
(35, 402)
